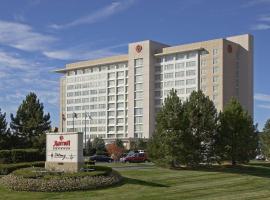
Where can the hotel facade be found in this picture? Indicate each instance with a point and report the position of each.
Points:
(123, 93)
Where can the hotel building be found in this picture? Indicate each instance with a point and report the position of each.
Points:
(123, 93)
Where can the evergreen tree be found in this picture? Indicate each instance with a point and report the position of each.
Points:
(30, 121)
(119, 143)
(4, 132)
(202, 118)
(166, 145)
(99, 145)
(89, 148)
(237, 138)
(265, 140)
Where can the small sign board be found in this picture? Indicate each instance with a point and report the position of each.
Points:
(64, 148)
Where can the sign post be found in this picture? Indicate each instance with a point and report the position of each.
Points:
(64, 151)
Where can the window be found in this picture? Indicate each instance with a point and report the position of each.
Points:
(120, 82)
(169, 58)
(203, 71)
(111, 98)
(169, 67)
(215, 51)
(168, 75)
(190, 81)
(180, 56)
(189, 90)
(215, 79)
(138, 127)
(120, 120)
(120, 74)
(138, 120)
(203, 80)
(111, 128)
(138, 78)
(215, 88)
(158, 77)
(179, 66)
(120, 105)
(138, 70)
(138, 62)
(119, 128)
(138, 86)
(138, 111)
(169, 84)
(111, 121)
(111, 105)
(180, 83)
(158, 85)
(203, 62)
(215, 61)
(215, 69)
(120, 97)
(191, 55)
(190, 72)
(138, 95)
(180, 91)
(120, 89)
(179, 74)
(111, 90)
(191, 64)
(111, 75)
(138, 103)
(111, 113)
(120, 113)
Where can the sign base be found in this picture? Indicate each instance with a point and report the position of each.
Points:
(64, 166)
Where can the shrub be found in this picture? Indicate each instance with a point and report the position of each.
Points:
(8, 168)
(30, 180)
(20, 155)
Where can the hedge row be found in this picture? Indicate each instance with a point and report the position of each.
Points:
(20, 155)
(8, 168)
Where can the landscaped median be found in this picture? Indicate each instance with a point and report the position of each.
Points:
(41, 180)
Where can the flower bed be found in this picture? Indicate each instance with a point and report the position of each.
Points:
(41, 180)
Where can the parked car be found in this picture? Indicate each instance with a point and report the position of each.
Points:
(136, 157)
(100, 158)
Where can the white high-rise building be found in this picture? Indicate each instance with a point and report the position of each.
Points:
(122, 94)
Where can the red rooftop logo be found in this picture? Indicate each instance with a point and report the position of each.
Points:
(139, 48)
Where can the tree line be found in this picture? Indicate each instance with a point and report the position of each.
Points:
(191, 133)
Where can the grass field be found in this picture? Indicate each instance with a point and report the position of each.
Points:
(150, 182)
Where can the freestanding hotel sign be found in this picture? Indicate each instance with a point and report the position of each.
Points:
(64, 151)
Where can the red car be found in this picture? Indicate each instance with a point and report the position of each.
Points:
(136, 157)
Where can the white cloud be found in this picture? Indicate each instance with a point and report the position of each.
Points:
(99, 15)
(262, 97)
(23, 37)
(13, 61)
(264, 106)
(255, 2)
(82, 54)
(260, 27)
(265, 18)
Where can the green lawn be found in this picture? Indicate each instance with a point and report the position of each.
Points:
(247, 182)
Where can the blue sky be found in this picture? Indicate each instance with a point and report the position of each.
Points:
(38, 36)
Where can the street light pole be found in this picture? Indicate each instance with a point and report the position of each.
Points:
(85, 116)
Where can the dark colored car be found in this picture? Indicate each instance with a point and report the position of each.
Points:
(136, 157)
(100, 158)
